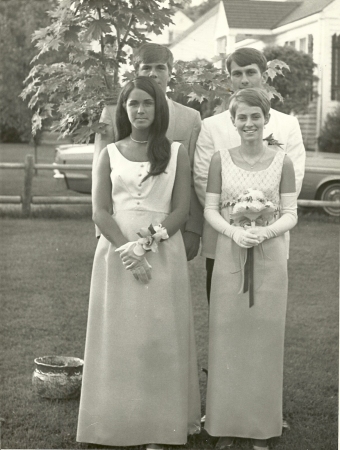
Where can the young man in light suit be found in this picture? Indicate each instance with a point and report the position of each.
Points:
(247, 67)
(154, 60)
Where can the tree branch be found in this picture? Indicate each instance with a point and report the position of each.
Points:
(102, 52)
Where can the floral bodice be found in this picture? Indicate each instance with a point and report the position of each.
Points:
(236, 180)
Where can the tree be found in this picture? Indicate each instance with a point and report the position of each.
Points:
(201, 82)
(296, 86)
(18, 20)
(195, 12)
(74, 91)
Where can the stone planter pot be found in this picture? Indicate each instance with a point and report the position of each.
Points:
(57, 376)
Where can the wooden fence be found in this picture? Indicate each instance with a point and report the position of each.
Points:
(29, 167)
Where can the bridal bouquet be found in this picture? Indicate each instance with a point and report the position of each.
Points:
(252, 208)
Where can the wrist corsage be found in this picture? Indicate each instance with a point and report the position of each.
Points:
(149, 239)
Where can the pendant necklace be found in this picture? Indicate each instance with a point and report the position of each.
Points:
(257, 161)
(138, 142)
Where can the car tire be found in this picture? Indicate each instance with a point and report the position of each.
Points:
(331, 193)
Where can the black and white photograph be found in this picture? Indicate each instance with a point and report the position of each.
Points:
(169, 235)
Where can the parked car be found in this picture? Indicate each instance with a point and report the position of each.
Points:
(76, 180)
(316, 186)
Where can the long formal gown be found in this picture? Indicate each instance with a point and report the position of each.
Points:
(140, 381)
(244, 393)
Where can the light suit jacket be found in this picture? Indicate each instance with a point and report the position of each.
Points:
(218, 132)
(184, 127)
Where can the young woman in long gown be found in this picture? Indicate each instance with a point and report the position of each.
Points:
(246, 342)
(140, 380)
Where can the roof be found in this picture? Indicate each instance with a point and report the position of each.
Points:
(257, 14)
(196, 24)
(260, 14)
(306, 8)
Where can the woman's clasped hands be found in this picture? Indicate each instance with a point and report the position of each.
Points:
(135, 262)
(249, 237)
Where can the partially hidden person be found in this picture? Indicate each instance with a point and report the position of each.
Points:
(247, 67)
(140, 380)
(156, 61)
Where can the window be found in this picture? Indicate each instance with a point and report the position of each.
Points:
(310, 45)
(290, 43)
(221, 44)
(335, 89)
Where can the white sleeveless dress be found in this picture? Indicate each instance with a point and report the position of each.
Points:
(140, 380)
(244, 394)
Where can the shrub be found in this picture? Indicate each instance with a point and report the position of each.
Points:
(329, 139)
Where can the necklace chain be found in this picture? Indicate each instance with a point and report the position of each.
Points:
(257, 161)
(138, 142)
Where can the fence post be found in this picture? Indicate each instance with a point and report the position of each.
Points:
(29, 172)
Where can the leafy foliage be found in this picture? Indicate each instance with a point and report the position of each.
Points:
(296, 84)
(18, 20)
(195, 12)
(329, 139)
(95, 34)
(202, 83)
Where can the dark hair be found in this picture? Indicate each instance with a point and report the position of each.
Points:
(150, 53)
(245, 56)
(251, 97)
(158, 147)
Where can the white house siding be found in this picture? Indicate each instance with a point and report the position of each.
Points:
(198, 44)
(180, 23)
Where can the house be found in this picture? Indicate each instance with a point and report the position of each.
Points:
(311, 26)
(181, 22)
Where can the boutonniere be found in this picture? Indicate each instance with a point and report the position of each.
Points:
(271, 141)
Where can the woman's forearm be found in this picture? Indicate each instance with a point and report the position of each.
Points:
(108, 227)
(175, 220)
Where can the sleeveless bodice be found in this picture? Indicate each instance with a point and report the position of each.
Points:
(236, 180)
(138, 203)
(128, 190)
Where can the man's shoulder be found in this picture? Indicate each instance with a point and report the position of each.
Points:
(182, 109)
(280, 116)
(217, 120)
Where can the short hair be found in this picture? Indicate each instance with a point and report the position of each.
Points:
(245, 56)
(251, 97)
(158, 145)
(150, 53)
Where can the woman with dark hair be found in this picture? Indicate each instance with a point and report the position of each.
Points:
(140, 381)
(251, 202)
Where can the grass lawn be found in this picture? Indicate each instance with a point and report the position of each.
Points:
(45, 270)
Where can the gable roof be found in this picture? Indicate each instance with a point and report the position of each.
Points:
(306, 8)
(196, 24)
(257, 14)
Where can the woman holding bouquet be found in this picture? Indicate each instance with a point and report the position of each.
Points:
(140, 381)
(246, 185)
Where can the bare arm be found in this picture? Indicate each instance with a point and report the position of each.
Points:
(180, 194)
(102, 201)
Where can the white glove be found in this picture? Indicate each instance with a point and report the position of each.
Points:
(129, 255)
(286, 222)
(142, 272)
(243, 238)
